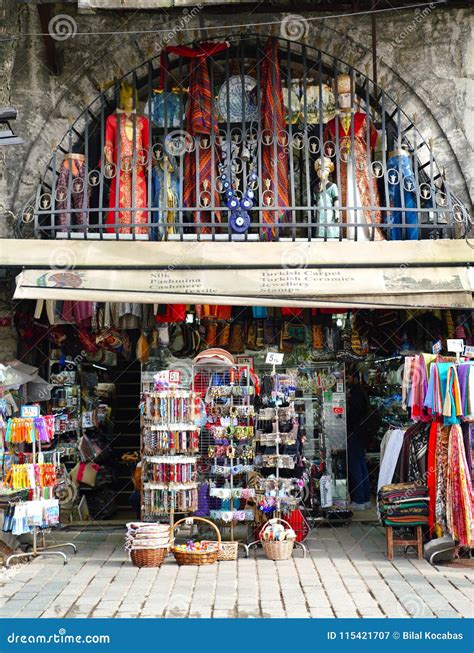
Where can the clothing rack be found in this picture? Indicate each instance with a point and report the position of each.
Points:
(37, 551)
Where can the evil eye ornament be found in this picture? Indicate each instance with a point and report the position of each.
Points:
(239, 221)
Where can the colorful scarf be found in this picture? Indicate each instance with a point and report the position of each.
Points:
(203, 191)
(459, 495)
(274, 157)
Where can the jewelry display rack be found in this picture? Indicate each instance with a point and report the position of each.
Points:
(169, 438)
(228, 393)
(36, 550)
(277, 433)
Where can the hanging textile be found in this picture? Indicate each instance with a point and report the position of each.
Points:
(418, 452)
(431, 474)
(72, 193)
(459, 499)
(274, 180)
(200, 122)
(389, 460)
(441, 480)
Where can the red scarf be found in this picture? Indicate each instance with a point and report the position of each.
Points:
(274, 166)
(199, 122)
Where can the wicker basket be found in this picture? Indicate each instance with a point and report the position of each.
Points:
(277, 550)
(228, 551)
(148, 557)
(197, 557)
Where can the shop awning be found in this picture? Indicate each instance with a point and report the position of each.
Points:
(424, 287)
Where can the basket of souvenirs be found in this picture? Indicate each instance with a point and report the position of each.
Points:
(197, 553)
(278, 539)
(147, 543)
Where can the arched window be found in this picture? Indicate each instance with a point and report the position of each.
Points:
(246, 138)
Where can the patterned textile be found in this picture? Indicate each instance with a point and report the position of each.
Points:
(441, 480)
(200, 122)
(431, 473)
(417, 456)
(353, 170)
(71, 185)
(274, 168)
(121, 146)
(459, 493)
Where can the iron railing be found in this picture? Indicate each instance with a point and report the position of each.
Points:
(237, 165)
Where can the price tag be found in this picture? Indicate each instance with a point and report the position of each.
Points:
(274, 358)
(30, 411)
(469, 351)
(340, 386)
(456, 346)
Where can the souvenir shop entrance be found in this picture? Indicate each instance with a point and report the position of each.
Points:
(305, 414)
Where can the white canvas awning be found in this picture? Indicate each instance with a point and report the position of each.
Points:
(427, 287)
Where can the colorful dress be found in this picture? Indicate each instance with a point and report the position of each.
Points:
(325, 199)
(402, 196)
(358, 186)
(119, 149)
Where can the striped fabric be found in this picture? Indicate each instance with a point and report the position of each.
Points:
(274, 168)
(200, 191)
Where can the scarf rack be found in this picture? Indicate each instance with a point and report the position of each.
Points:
(43, 550)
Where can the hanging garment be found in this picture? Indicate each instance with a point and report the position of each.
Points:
(165, 195)
(459, 494)
(466, 385)
(78, 312)
(402, 195)
(325, 199)
(199, 185)
(358, 186)
(171, 313)
(127, 148)
(274, 180)
(73, 193)
(418, 455)
(431, 473)
(401, 474)
(390, 457)
(442, 443)
(450, 392)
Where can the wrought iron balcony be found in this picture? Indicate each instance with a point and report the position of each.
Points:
(253, 140)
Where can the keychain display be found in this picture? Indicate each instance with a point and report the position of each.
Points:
(169, 438)
(169, 470)
(171, 407)
(170, 441)
(165, 501)
(30, 476)
(30, 429)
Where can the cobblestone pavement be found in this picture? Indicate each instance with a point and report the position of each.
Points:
(346, 574)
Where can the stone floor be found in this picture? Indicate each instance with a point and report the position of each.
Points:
(346, 574)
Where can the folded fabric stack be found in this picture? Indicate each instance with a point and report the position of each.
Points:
(403, 504)
(143, 535)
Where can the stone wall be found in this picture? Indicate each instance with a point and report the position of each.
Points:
(425, 61)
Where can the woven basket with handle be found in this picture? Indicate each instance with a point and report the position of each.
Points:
(277, 550)
(197, 557)
(148, 557)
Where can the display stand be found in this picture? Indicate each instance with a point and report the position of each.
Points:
(169, 438)
(36, 550)
(278, 456)
(228, 398)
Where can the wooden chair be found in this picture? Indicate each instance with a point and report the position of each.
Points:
(391, 541)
